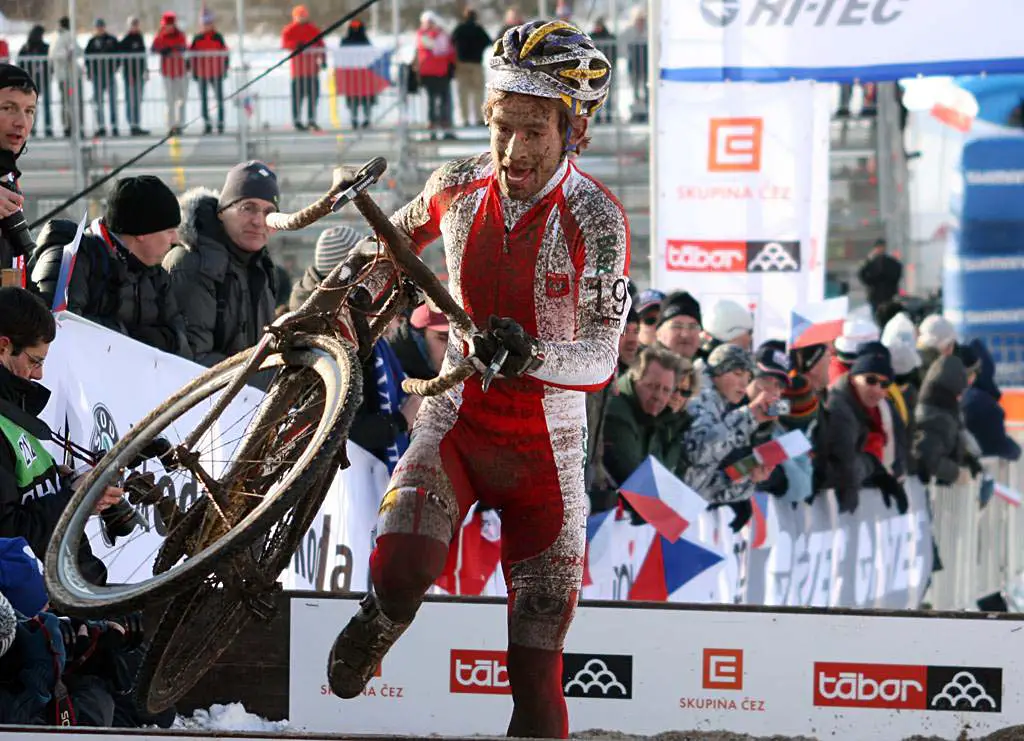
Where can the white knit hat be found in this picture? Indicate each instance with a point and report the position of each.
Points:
(899, 336)
(937, 333)
(856, 332)
(333, 246)
(728, 320)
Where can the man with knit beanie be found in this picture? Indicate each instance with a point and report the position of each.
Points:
(679, 324)
(332, 246)
(221, 271)
(807, 396)
(117, 279)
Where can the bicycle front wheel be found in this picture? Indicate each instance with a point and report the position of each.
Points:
(261, 455)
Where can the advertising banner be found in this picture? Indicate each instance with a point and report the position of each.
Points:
(742, 196)
(761, 673)
(837, 40)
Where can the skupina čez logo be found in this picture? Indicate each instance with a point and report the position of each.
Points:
(903, 687)
(104, 430)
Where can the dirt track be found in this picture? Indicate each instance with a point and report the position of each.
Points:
(1016, 733)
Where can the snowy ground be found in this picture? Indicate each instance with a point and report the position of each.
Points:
(233, 717)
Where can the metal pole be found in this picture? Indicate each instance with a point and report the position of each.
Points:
(542, 9)
(75, 100)
(243, 78)
(653, 81)
(375, 18)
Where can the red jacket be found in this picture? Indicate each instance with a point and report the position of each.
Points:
(171, 45)
(5, 51)
(208, 64)
(308, 63)
(434, 53)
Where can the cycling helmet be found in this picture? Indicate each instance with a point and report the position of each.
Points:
(552, 59)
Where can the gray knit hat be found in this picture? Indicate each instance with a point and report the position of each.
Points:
(727, 358)
(333, 246)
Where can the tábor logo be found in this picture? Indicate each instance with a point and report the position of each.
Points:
(706, 257)
(773, 257)
(734, 144)
(719, 12)
(479, 673)
(905, 687)
(104, 431)
(603, 676)
(722, 669)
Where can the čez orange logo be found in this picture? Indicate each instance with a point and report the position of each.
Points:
(734, 144)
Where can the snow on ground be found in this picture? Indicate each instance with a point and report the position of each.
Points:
(233, 717)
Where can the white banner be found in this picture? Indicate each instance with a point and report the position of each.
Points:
(760, 673)
(839, 40)
(742, 196)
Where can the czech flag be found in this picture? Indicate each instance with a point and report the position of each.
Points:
(361, 71)
(818, 323)
(67, 266)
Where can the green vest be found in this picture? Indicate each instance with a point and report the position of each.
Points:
(35, 470)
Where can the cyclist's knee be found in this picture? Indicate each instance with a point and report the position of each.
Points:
(540, 615)
(417, 511)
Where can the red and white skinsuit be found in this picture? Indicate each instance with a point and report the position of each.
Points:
(557, 265)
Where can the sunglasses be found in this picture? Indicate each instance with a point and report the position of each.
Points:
(651, 320)
(877, 381)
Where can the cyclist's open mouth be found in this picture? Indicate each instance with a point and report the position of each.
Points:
(517, 176)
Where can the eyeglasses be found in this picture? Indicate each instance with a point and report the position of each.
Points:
(685, 393)
(877, 381)
(251, 210)
(650, 320)
(685, 326)
(34, 362)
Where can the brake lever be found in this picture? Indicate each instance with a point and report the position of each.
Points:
(492, 370)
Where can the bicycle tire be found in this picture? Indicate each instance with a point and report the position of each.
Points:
(68, 589)
(181, 652)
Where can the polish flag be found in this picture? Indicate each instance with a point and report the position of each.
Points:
(1008, 495)
(818, 323)
(783, 448)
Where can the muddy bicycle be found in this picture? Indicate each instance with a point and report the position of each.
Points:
(263, 462)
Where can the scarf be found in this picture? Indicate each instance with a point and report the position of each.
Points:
(876, 437)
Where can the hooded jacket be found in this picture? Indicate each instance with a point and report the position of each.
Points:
(938, 447)
(228, 295)
(32, 492)
(110, 286)
(983, 415)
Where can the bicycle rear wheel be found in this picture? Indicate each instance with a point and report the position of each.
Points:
(287, 441)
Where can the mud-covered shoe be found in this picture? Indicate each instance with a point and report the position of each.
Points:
(359, 648)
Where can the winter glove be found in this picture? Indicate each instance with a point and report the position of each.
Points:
(744, 511)
(974, 466)
(523, 351)
(158, 447)
(892, 491)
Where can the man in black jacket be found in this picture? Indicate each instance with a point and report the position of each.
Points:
(133, 68)
(18, 98)
(101, 63)
(34, 59)
(470, 41)
(117, 280)
(880, 274)
(33, 490)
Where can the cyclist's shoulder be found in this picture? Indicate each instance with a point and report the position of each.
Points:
(591, 201)
(461, 172)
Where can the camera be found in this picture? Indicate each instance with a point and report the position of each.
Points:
(778, 407)
(14, 228)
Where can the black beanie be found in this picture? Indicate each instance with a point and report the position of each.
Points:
(805, 358)
(141, 205)
(11, 75)
(873, 357)
(679, 303)
(251, 179)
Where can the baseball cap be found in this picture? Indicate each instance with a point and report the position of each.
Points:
(772, 361)
(423, 317)
(648, 299)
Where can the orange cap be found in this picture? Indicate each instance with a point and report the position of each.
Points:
(300, 13)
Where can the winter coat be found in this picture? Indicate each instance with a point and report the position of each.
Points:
(9, 173)
(170, 43)
(110, 286)
(133, 65)
(435, 54)
(228, 295)
(411, 349)
(211, 60)
(470, 41)
(34, 58)
(308, 62)
(33, 494)
(815, 427)
(848, 465)
(304, 287)
(717, 437)
(983, 415)
(62, 52)
(939, 448)
(881, 275)
(630, 434)
(101, 62)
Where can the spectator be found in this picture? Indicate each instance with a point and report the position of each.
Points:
(629, 341)
(18, 96)
(639, 422)
(888, 311)
(435, 65)
(133, 68)
(332, 246)
(605, 41)
(983, 415)
(563, 11)
(686, 389)
(101, 63)
(513, 18)
(470, 41)
(5, 51)
(64, 65)
(434, 326)
(857, 332)
(170, 43)
(8, 631)
(936, 338)
(34, 58)
(899, 336)
(356, 36)
(33, 490)
(938, 446)
(635, 38)
(221, 271)
(857, 440)
(117, 279)
(727, 323)
(722, 429)
(679, 324)
(303, 37)
(648, 306)
(418, 357)
(880, 275)
(807, 397)
(209, 68)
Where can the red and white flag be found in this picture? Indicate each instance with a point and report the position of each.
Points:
(818, 323)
